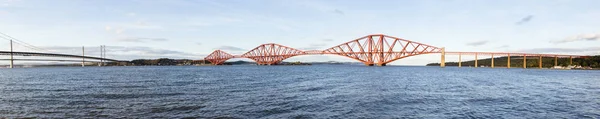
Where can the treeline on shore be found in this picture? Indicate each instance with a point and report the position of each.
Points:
(517, 61)
(171, 62)
(165, 62)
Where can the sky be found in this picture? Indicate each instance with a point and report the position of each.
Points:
(134, 29)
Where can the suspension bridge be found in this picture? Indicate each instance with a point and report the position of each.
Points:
(41, 52)
(376, 49)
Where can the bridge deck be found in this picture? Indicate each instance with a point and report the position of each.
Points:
(54, 55)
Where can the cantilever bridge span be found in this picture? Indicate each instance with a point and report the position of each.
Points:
(376, 49)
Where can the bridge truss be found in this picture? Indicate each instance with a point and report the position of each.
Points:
(376, 49)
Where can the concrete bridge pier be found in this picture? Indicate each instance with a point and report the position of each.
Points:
(492, 60)
(508, 63)
(459, 59)
(381, 64)
(476, 60)
(524, 61)
(570, 60)
(443, 58)
(555, 60)
(540, 62)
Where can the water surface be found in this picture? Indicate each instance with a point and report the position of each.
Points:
(325, 91)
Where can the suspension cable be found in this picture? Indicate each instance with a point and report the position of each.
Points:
(7, 37)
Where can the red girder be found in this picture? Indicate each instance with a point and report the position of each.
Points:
(218, 57)
(375, 49)
(269, 54)
(380, 49)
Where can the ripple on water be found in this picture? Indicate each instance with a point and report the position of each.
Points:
(164, 109)
(305, 92)
(131, 95)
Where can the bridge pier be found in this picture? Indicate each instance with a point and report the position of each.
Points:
(459, 59)
(540, 62)
(508, 64)
(555, 60)
(570, 60)
(381, 64)
(492, 60)
(524, 61)
(443, 62)
(476, 60)
(369, 64)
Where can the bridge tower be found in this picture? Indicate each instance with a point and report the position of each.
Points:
(83, 56)
(11, 55)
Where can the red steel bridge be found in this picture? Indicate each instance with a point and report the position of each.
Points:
(376, 49)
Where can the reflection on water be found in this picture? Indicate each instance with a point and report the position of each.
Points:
(298, 92)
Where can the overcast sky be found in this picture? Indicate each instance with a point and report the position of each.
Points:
(194, 28)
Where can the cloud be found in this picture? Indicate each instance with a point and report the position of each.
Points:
(137, 25)
(108, 28)
(328, 39)
(114, 30)
(141, 39)
(314, 47)
(7, 3)
(230, 48)
(119, 31)
(582, 37)
(524, 20)
(477, 43)
(284, 27)
(229, 19)
(337, 11)
(131, 14)
(211, 21)
(3, 12)
(503, 46)
(140, 24)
